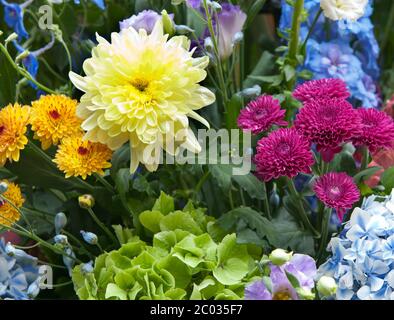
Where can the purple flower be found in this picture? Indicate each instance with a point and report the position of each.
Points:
(195, 4)
(230, 21)
(144, 20)
(301, 266)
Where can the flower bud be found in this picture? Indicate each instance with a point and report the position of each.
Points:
(87, 267)
(13, 36)
(280, 256)
(61, 239)
(33, 290)
(22, 55)
(305, 294)
(3, 187)
(86, 201)
(89, 237)
(238, 38)
(182, 29)
(326, 286)
(168, 23)
(69, 259)
(60, 221)
(208, 44)
(251, 92)
(214, 5)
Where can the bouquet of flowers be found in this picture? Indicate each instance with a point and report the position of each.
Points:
(196, 149)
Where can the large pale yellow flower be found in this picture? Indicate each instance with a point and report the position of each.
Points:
(13, 126)
(53, 118)
(142, 88)
(78, 157)
(8, 214)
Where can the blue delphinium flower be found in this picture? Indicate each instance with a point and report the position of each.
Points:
(338, 47)
(19, 274)
(31, 60)
(99, 3)
(362, 259)
(13, 16)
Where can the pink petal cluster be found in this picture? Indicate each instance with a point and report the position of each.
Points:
(322, 88)
(260, 114)
(338, 191)
(284, 152)
(377, 130)
(328, 123)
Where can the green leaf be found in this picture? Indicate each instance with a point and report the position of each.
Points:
(233, 261)
(387, 179)
(179, 220)
(233, 108)
(164, 204)
(289, 72)
(253, 186)
(291, 236)
(222, 173)
(265, 66)
(151, 220)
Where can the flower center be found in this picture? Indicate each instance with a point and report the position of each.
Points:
(2, 129)
(140, 84)
(284, 295)
(259, 114)
(82, 151)
(54, 114)
(283, 147)
(334, 192)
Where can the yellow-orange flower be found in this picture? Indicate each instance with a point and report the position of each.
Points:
(8, 214)
(13, 126)
(53, 117)
(78, 157)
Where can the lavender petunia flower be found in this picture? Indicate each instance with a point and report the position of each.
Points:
(230, 21)
(144, 20)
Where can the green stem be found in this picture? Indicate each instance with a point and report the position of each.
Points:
(230, 196)
(23, 72)
(266, 202)
(317, 16)
(294, 39)
(301, 209)
(200, 184)
(388, 29)
(365, 160)
(102, 225)
(105, 183)
(324, 232)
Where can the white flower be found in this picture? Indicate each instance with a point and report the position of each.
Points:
(343, 9)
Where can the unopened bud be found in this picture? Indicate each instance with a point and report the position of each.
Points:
(280, 256)
(214, 5)
(13, 36)
(3, 187)
(61, 239)
(89, 237)
(326, 286)
(87, 267)
(208, 44)
(251, 92)
(168, 23)
(238, 38)
(60, 221)
(182, 29)
(86, 201)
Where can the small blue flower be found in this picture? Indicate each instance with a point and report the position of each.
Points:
(19, 274)
(13, 16)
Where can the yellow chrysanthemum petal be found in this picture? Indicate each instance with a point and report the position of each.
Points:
(78, 157)
(13, 126)
(53, 118)
(8, 214)
(140, 87)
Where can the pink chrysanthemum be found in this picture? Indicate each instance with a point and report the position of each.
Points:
(260, 114)
(338, 191)
(377, 130)
(322, 88)
(284, 152)
(328, 123)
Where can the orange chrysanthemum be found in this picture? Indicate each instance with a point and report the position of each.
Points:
(13, 126)
(53, 117)
(8, 214)
(78, 157)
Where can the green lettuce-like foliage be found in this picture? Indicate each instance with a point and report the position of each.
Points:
(183, 261)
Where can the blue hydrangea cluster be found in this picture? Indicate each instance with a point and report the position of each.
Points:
(19, 274)
(362, 259)
(341, 49)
